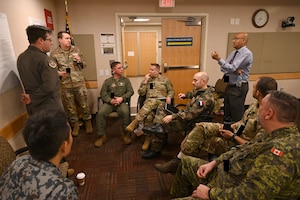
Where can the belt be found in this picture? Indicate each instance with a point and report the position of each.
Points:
(243, 83)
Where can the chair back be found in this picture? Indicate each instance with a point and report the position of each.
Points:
(7, 154)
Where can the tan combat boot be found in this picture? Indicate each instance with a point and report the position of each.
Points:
(88, 127)
(75, 131)
(147, 143)
(101, 140)
(168, 167)
(126, 138)
(132, 125)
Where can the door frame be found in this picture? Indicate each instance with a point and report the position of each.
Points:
(204, 16)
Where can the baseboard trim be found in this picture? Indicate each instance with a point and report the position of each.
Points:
(14, 126)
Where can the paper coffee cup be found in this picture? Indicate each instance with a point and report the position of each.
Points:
(80, 178)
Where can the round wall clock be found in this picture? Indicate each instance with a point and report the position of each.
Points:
(260, 18)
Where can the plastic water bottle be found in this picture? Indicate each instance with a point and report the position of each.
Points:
(239, 80)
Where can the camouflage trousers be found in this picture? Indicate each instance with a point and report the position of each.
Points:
(75, 103)
(186, 179)
(106, 109)
(150, 104)
(205, 136)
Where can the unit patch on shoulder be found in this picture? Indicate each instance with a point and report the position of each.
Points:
(276, 152)
(51, 63)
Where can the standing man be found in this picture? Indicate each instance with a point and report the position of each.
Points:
(39, 77)
(38, 72)
(70, 63)
(265, 168)
(158, 91)
(236, 69)
(200, 107)
(115, 93)
(36, 176)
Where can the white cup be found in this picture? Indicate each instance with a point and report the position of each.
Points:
(80, 178)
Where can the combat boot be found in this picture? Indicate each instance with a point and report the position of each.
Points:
(88, 127)
(132, 125)
(147, 143)
(100, 141)
(127, 138)
(75, 131)
(168, 167)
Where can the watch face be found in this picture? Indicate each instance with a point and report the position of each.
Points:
(260, 18)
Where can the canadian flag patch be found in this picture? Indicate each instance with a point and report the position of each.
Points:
(276, 152)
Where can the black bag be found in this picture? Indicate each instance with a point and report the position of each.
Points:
(221, 86)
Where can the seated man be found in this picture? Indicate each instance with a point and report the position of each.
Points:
(211, 138)
(36, 176)
(265, 168)
(158, 90)
(200, 106)
(115, 91)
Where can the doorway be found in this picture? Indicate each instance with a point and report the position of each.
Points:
(125, 20)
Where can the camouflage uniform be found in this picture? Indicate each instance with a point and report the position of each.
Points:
(202, 103)
(121, 88)
(154, 97)
(40, 79)
(206, 135)
(264, 168)
(27, 178)
(73, 89)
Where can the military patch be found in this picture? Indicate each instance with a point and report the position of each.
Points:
(276, 152)
(52, 64)
(121, 83)
(113, 85)
(201, 103)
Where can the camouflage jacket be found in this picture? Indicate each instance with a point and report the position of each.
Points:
(202, 103)
(264, 168)
(64, 59)
(27, 178)
(121, 88)
(162, 88)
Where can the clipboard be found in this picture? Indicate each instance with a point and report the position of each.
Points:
(169, 108)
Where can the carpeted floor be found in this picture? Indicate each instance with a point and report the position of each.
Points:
(116, 171)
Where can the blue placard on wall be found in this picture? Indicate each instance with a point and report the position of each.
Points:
(179, 41)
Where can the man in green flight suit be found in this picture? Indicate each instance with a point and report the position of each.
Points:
(115, 92)
(265, 168)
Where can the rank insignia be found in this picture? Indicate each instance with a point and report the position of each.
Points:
(276, 152)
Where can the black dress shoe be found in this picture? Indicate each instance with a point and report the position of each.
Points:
(156, 128)
(150, 154)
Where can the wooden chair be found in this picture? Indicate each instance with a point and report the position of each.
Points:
(7, 154)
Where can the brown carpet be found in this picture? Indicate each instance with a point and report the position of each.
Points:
(117, 171)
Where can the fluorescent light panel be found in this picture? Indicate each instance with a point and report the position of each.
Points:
(141, 20)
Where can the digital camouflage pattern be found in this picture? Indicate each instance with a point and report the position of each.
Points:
(162, 88)
(206, 136)
(202, 103)
(73, 88)
(121, 88)
(27, 178)
(264, 168)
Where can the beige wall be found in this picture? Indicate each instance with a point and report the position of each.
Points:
(98, 16)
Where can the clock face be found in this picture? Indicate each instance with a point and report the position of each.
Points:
(260, 18)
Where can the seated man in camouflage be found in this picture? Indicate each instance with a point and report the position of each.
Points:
(200, 106)
(264, 168)
(37, 176)
(158, 91)
(211, 137)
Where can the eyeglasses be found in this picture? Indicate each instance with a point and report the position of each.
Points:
(49, 39)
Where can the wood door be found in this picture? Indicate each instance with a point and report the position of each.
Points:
(180, 54)
(139, 51)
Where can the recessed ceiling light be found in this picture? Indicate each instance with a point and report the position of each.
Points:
(141, 20)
